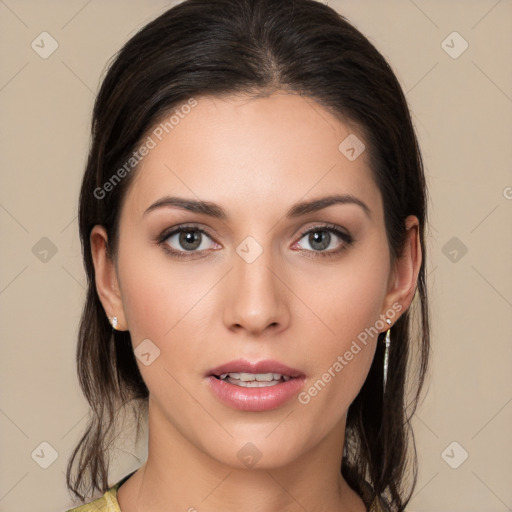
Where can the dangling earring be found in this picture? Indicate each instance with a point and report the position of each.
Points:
(387, 342)
(113, 322)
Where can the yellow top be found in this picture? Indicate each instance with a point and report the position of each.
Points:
(108, 502)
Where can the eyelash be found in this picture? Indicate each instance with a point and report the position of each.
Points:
(348, 240)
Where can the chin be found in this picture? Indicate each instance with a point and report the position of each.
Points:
(256, 450)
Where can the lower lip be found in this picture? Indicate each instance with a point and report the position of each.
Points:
(255, 399)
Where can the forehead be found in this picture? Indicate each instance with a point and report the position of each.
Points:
(251, 153)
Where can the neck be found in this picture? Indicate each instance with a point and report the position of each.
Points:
(178, 475)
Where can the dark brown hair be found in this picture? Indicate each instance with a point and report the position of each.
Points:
(226, 47)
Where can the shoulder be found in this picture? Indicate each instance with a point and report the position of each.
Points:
(106, 503)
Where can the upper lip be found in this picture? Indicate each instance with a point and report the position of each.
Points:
(266, 366)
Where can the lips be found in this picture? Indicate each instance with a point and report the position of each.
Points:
(255, 386)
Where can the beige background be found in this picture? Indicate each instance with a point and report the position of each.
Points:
(462, 111)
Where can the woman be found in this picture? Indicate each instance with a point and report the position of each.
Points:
(252, 218)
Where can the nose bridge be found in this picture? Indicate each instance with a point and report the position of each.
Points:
(256, 295)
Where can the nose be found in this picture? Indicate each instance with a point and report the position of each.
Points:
(256, 296)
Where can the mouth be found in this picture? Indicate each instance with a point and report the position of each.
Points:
(255, 386)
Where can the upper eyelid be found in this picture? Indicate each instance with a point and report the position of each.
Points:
(327, 226)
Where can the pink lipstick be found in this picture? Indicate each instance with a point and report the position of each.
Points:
(255, 386)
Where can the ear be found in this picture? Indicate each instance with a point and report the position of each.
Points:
(404, 275)
(105, 277)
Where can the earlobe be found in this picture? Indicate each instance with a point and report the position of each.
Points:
(105, 276)
(406, 268)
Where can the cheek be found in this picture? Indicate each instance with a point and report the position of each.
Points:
(349, 305)
(157, 294)
(347, 299)
(167, 303)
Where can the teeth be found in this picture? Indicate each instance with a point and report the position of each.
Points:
(260, 377)
(254, 379)
(253, 383)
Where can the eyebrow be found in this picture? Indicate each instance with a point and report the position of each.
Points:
(216, 211)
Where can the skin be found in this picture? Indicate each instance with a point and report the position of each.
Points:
(255, 157)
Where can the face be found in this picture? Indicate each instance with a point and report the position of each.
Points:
(299, 289)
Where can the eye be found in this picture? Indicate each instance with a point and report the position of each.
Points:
(189, 241)
(322, 238)
(186, 241)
